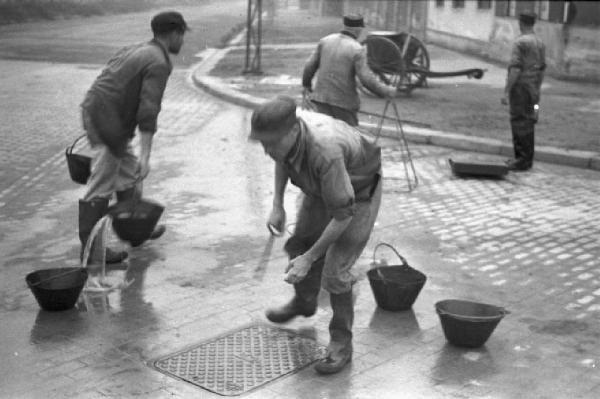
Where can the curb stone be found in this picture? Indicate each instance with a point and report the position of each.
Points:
(576, 158)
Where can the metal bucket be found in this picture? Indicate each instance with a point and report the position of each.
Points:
(395, 287)
(468, 324)
(135, 220)
(57, 289)
(79, 165)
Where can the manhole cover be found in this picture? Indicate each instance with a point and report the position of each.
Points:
(242, 360)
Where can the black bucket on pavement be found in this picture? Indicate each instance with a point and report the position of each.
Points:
(79, 165)
(57, 289)
(134, 220)
(468, 324)
(395, 287)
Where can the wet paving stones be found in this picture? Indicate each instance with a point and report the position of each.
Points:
(528, 242)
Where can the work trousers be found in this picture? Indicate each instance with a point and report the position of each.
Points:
(340, 113)
(312, 218)
(110, 173)
(522, 123)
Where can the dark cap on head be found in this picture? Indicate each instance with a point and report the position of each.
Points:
(527, 17)
(168, 21)
(273, 119)
(354, 21)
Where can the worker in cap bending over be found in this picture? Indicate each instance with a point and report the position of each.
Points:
(339, 173)
(522, 90)
(337, 61)
(126, 96)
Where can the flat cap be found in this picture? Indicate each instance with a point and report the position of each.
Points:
(354, 21)
(273, 119)
(527, 17)
(168, 21)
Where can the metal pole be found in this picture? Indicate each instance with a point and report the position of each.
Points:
(248, 33)
(258, 36)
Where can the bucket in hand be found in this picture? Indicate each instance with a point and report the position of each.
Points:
(134, 220)
(57, 289)
(79, 165)
(395, 287)
(468, 324)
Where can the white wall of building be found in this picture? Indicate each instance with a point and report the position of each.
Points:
(468, 22)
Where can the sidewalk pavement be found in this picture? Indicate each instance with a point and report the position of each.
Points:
(567, 139)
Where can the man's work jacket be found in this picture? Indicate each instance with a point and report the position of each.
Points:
(529, 55)
(128, 94)
(333, 161)
(339, 59)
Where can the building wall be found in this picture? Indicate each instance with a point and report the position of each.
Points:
(469, 22)
(572, 49)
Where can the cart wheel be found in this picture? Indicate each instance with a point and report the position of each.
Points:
(416, 64)
(384, 59)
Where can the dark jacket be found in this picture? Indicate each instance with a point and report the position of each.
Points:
(128, 94)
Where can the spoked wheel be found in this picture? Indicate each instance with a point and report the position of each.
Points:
(416, 64)
(400, 60)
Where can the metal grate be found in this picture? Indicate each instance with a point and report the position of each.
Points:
(242, 360)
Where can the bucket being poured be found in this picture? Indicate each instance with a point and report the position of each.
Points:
(57, 289)
(135, 220)
(468, 324)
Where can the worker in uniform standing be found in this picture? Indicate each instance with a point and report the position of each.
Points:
(522, 90)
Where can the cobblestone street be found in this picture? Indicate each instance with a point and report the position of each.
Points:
(528, 243)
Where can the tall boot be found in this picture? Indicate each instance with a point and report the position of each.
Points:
(339, 351)
(90, 212)
(523, 144)
(131, 193)
(304, 302)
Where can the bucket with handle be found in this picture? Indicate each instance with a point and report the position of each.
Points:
(395, 287)
(79, 165)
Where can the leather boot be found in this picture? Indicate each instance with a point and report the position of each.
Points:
(131, 193)
(304, 302)
(523, 143)
(339, 351)
(90, 212)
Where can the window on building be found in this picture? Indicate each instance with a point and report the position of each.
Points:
(544, 10)
(484, 4)
(439, 3)
(458, 3)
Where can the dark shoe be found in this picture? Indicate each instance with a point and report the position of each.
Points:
(158, 231)
(517, 166)
(332, 365)
(296, 307)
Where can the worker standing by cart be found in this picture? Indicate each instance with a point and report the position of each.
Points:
(337, 61)
(522, 90)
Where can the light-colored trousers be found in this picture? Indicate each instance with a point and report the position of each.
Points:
(312, 218)
(109, 172)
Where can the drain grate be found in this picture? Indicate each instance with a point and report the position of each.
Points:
(242, 360)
